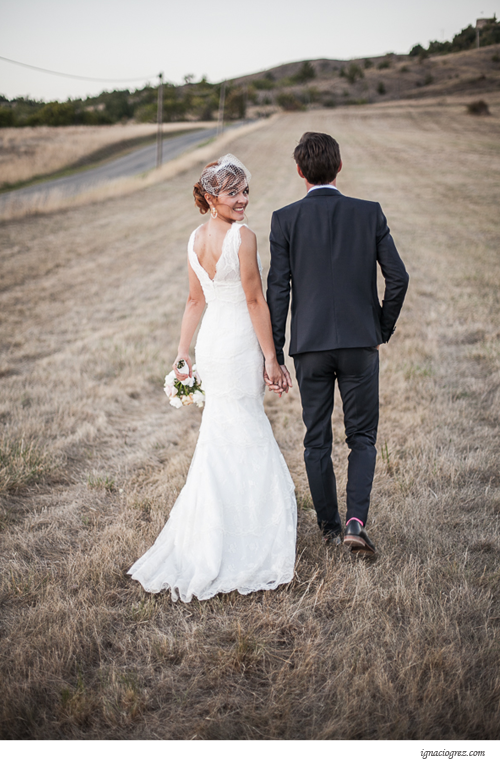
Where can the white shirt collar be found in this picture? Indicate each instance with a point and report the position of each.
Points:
(322, 187)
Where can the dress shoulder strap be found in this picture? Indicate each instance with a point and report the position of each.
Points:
(237, 241)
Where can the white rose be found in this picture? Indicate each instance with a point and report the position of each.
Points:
(199, 398)
(189, 382)
(170, 390)
(169, 379)
(176, 403)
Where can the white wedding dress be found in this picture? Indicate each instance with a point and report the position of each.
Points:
(233, 526)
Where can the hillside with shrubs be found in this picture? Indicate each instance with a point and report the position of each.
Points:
(440, 69)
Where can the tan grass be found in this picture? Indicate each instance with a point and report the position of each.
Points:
(55, 200)
(406, 647)
(27, 152)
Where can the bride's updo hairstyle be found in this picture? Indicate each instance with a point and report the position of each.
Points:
(228, 174)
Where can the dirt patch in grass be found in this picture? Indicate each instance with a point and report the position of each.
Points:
(405, 647)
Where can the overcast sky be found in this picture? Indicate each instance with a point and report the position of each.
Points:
(120, 39)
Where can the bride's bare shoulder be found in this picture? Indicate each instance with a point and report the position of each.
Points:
(248, 236)
(198, 234)
(201, 228)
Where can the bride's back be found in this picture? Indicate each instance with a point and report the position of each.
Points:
(209, 246)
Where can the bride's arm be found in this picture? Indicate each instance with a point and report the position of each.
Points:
(257, 305)
(193, 311)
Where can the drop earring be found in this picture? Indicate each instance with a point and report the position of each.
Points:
(213, 213)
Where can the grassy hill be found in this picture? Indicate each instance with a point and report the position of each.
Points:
(333, 82)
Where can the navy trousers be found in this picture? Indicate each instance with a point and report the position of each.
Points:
(356, 371)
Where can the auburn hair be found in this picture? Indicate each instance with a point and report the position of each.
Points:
(199, 193)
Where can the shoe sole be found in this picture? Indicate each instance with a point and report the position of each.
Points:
(358, 544)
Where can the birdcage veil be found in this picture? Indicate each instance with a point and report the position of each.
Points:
(229, 175)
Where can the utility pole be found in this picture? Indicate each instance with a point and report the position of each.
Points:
(220, 122)
(159, 132)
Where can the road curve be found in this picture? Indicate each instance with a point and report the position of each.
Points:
(135, 162)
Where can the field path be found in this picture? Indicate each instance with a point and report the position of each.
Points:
(91, 305)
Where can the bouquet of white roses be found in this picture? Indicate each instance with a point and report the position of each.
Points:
(186, 392)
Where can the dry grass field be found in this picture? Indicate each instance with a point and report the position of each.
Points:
(27, 153)
(92, 457)
(14, 206)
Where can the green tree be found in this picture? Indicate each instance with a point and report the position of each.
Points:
(266, 83)
(6, 117)
(490, 34)
(289, 102)
(436, 47)
(235, 104)
(354, 72)
(305, 73)
(465, 40)
(54, 114)
(117, 106)
(417, 50)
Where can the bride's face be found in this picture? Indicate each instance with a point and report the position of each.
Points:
(231, 205)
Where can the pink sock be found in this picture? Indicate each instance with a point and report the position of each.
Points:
(355, 519)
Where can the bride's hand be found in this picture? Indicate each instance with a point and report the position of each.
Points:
(187, 359)
(274, 377)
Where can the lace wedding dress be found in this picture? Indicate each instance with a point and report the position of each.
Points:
(233, 526)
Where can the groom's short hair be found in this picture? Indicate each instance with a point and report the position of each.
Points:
(318, 157)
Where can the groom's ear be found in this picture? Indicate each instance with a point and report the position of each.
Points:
(299, 171)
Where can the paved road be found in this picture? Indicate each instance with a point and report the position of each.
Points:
(135, 162)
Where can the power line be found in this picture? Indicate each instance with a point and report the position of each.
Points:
(79, 77)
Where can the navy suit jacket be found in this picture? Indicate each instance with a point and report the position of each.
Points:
(324, 250)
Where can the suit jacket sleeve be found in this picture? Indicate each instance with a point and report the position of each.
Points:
(278, 285)
(395, 275)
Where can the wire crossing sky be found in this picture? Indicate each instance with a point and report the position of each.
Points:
(78, 77)
(113, 39)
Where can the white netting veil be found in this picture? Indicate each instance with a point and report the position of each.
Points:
(229, 175)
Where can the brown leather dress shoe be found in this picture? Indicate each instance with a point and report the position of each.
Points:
(357, 539)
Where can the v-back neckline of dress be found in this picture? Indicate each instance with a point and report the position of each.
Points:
(221, 252)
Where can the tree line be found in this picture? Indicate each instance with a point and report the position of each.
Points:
(465, 40)
(191, 101)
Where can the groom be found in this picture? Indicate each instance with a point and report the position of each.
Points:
(324, 250)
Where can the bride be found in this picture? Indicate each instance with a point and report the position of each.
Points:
(233, 526)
